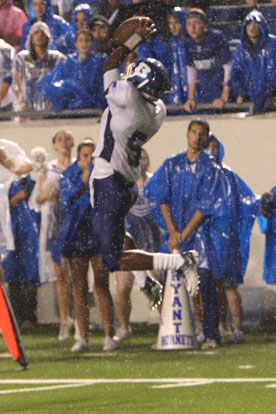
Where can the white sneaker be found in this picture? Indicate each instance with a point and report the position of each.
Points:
(209, 344)
(65, 329)
(237, 337)
(122, 334)
(189, 271)
(81, 345)
(109, 344)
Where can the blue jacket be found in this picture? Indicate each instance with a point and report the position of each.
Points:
(66, 42)
(57, 25)
(253, 72)
(75, 238)
(21, 265)
(73, 84)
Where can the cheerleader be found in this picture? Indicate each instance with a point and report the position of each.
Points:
(75, 240)
(45, 199)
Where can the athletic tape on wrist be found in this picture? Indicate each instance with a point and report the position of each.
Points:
(133, 41)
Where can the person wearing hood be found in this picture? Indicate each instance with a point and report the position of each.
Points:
(179, 85)
(243, 207)
(81, 19)
(20, 265)
(209, 63)
(268, 211)
(12, 20)
(78, 81)
(253, 74)
(32, 64)
(44, 13)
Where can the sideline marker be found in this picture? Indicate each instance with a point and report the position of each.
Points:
(176, 329)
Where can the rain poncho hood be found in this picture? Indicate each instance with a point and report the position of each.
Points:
(35, 28)
(84, 8)
(253, 72)
(258, 17)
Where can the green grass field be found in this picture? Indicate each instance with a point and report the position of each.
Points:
(136, 379)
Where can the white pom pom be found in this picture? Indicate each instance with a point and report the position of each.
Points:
(39, 157)
(51, 186)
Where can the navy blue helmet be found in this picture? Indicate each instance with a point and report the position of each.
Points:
(150, 77)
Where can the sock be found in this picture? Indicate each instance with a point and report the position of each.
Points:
(167, 261)
(140, 276)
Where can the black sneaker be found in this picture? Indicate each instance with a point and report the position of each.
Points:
(189, 271)
(153, 290)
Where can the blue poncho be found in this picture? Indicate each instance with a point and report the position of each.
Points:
(57, 25)
(242, 208)
(21, 265)
(73, 84)
(186, 187)
(75, 238)
(66, 42)
(269, 273)
(253, 72)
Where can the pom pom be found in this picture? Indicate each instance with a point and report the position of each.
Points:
(51, 186)
(39, 157)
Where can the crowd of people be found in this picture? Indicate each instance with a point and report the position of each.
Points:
(194, 215)
(51, 64)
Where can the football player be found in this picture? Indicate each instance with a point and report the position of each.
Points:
(134, 114)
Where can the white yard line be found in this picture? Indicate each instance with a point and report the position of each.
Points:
(164, 382)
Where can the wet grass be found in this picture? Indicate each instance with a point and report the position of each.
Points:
(135, 359)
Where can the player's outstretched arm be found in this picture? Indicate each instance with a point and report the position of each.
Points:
(129, 35)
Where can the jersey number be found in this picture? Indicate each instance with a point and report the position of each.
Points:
(134, 145)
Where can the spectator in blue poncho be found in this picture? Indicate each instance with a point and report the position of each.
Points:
(189, 189)
(77, 82)
(268, 210)
(253, 74)
(243, 207)
(21, 265)
(81, 19)
(209, 62)
(44, 12)
(179, 86)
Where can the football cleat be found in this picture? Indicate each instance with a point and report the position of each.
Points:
(189, 272)
(153, 290)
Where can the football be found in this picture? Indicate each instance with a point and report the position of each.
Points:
(126, 29)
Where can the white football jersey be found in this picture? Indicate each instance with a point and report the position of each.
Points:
(127, 124)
